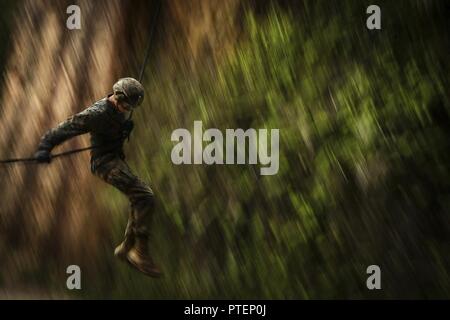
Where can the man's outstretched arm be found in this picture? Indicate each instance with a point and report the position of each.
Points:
(77, 124)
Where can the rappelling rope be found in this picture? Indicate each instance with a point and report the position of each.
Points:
(147, 50)
(66, 153)
(141, 75)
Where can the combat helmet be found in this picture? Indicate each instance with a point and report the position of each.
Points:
(130, 91)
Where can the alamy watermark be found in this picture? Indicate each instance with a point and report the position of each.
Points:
(74, 20)
(74, 280)
(374, 280)
(373, 22)
(241, 147)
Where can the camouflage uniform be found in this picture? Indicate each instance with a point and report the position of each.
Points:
(106, 126)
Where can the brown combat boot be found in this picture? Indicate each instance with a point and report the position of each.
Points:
(140, 259)
(129, 240)
(122, 249)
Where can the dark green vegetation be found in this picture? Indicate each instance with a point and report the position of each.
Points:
(364, 167)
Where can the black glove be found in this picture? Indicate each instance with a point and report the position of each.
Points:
(127, 127)
(43, 156)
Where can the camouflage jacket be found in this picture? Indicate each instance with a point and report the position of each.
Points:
(102, 121)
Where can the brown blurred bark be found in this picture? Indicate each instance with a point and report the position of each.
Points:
(51, 214)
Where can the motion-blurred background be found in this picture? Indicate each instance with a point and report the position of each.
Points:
(364, 152)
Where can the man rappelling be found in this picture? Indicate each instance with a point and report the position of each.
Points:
(109, 127)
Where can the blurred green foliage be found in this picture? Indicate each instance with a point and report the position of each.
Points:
(364, 165)
(364, 169)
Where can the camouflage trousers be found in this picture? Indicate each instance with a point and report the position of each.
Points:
(117, 173)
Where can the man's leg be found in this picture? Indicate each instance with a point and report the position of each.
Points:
(135, 246)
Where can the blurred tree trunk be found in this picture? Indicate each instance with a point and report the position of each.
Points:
(51, 215)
